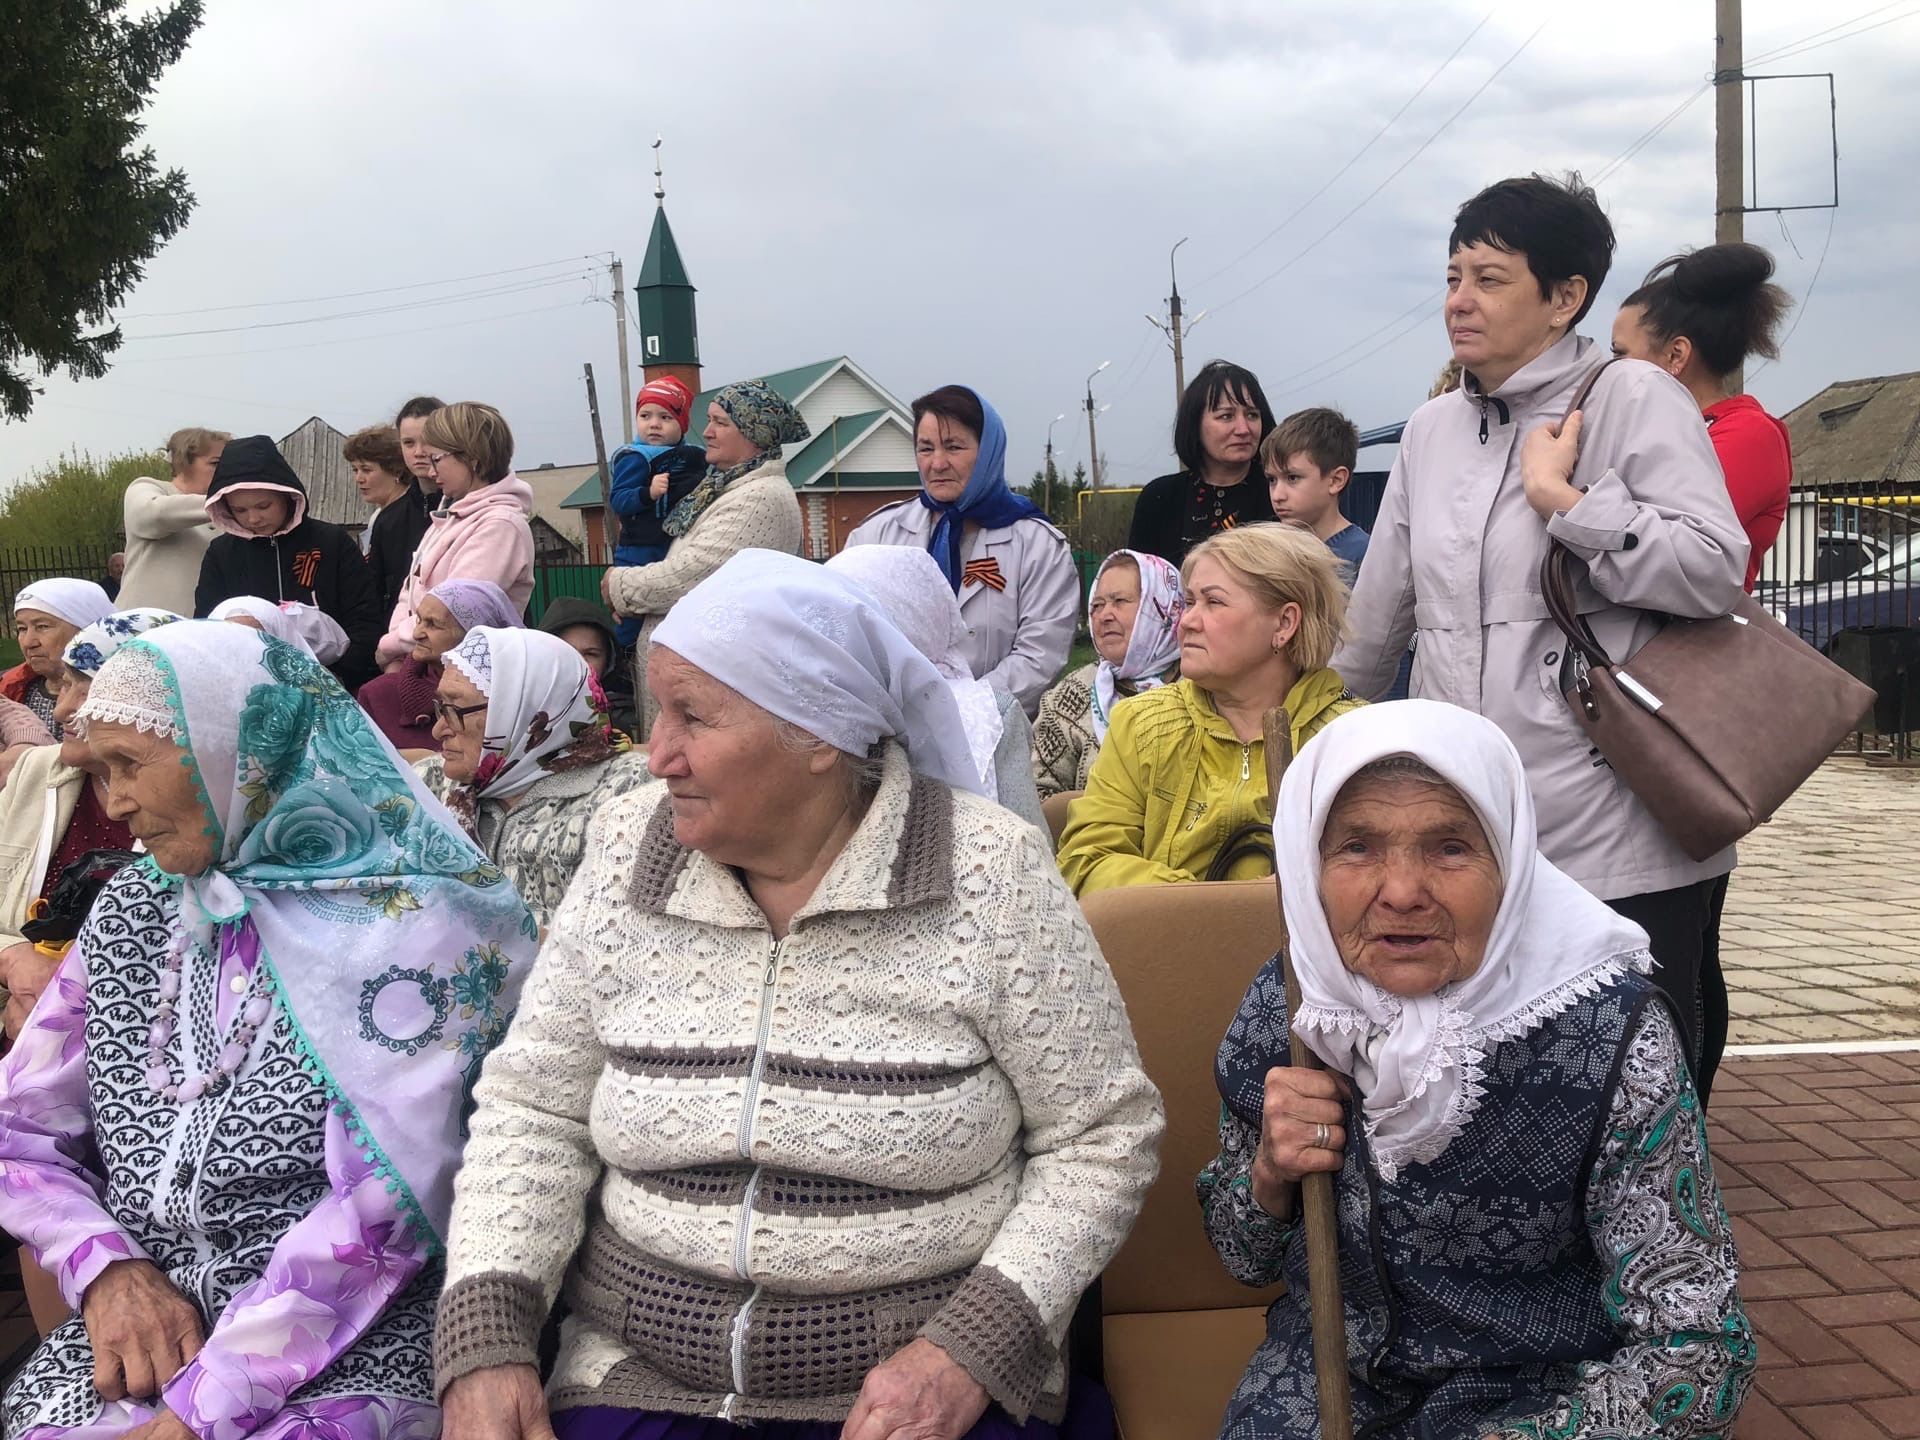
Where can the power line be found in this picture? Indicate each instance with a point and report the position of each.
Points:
(517, 288)
(1360, 154)
(1399, 170)
(382, 290)
(1779, 51)
(1822, 44)
(1394, 339)
(1806, 297)
(345, 339)
(1626, 156)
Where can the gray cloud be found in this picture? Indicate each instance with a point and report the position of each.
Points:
(983, 193)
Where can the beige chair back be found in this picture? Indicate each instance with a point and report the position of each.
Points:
(1183, 956)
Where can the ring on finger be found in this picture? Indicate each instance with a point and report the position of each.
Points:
(1322, 1137)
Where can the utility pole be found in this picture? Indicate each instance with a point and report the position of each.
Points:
(1048, 481)
(1093, 437)
(620, 326)
(1174, 330)
(1729, 135)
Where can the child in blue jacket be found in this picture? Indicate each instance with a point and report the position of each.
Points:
(650, 476)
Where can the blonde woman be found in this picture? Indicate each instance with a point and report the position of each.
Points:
(166, 523)
(1180, 787)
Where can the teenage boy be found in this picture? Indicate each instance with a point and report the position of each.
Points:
(1309, 458)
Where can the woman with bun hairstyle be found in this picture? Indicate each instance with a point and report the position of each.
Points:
(1698, 317)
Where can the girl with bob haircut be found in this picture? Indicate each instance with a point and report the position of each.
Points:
(1698, 317)
(1217, 433)
(481, 529)
(1179, 791)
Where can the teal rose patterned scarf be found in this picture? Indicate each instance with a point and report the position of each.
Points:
(394, 948)
(766, 418)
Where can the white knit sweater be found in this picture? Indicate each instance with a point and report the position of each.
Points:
(925, 1101)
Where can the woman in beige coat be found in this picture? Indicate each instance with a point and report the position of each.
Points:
(744, 502)
(1486, 474)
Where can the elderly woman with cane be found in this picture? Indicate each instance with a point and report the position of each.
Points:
(1530, 1238)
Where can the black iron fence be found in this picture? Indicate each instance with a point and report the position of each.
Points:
(1845, 576)
(21, 565)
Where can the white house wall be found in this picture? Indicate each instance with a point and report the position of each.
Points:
(842, 393)
(887, 448)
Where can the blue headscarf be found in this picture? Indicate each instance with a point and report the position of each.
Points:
(986, 501)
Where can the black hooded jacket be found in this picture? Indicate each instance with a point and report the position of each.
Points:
(308, 560)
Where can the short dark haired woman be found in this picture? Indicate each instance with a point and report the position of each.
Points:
(1217, 431)
(1487, 477)
(1698, 317)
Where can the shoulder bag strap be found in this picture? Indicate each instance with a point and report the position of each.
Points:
(1556, 566)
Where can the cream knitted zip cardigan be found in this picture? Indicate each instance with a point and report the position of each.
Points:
(922, 1112)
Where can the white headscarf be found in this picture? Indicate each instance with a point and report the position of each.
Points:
(1153, 649)
(307, 626)
(545, 711)
(1417, 1062)
(78, 602)
(913, 590)
(816, 650)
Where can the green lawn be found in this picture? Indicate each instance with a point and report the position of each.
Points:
(9, 652)
(1081, 654)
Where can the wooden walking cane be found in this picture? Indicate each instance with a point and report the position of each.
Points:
(1317, 1212)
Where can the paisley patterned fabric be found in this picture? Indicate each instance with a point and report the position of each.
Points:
(315, 1294)
(1564, 1270)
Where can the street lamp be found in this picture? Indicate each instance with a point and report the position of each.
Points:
(1049, 470)
(1093, 438)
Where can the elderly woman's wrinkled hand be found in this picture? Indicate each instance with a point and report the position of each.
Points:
(917, 1393)
(1302, 1132)
(502, 1402)
(24, 972)
(141, 1328)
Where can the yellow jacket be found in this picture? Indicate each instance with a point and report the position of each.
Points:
(1173, 782)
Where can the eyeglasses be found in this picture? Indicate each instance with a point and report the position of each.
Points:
(433, 461)
(455, 716)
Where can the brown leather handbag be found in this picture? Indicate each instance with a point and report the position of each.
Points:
(1712, 723)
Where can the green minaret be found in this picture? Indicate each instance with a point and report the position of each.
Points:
(663, 300)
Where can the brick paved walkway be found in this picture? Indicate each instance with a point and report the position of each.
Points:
(1821, 938)
(1819, 1158)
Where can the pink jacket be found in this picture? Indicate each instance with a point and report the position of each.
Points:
(482, 536)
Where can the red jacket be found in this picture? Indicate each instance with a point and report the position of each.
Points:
(1757, 457)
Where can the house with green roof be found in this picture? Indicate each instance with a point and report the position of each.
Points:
(859, 457)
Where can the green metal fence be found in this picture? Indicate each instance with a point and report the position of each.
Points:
(552, 582)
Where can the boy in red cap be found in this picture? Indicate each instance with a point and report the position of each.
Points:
(650, 477)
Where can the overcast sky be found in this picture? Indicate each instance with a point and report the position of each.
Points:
(981, 192)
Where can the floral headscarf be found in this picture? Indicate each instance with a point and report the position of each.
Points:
(95, 645)
(1154, 647)
(545, 714)
(395, 949)
(768, 420)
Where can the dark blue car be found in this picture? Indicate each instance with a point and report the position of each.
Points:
(1885, 592)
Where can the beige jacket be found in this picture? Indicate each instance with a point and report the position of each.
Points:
(921, 1112)
(167, 537)
(1455, 558)
(757, 512)
(35, 809)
